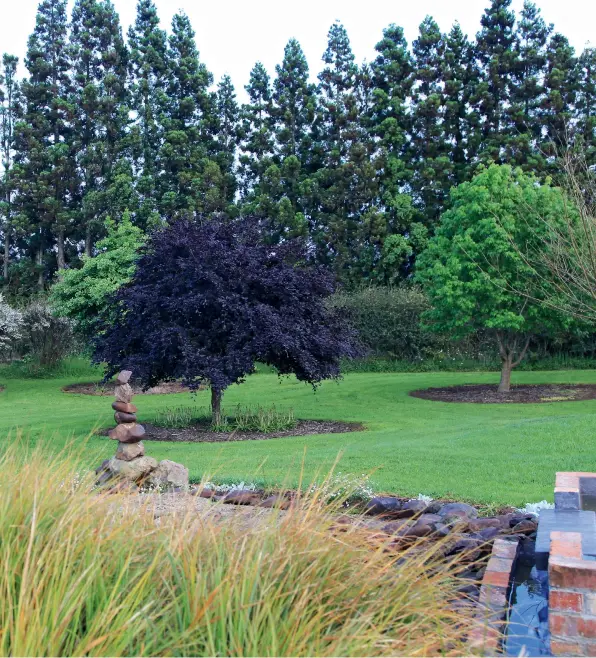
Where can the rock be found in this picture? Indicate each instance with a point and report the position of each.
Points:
(130, 451)
(428, 519)
(458, 509)
(419, 530)
(514, 519)
(242, 497)
(123, 393)
(383, 505)
(134, 470)
(203, 493)
(102, 467)
(169, 475)
(468, 549)
(121, 417)
(396, 528)
(417, 506)
(127, 433)
(442, 529)
(123, 376)
(124, 407)
(123, 487)
(525, 527)
(434, 507)
(281, 502)
(476, 525)
(488, 533)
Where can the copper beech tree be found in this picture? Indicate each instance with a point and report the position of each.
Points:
(209, 300)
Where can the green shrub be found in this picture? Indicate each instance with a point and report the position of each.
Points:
(46, 339)
(388, 321)
(261, 419)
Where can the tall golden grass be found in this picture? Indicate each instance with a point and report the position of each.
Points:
(81, 575)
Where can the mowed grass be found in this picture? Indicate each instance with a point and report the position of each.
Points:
(493, 454)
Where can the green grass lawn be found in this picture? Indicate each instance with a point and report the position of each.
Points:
(485, 453)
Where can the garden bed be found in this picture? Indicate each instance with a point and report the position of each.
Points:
(524, 393)
(204, 434)
(98, 388)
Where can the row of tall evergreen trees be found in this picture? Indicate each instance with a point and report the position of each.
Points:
(360, 162)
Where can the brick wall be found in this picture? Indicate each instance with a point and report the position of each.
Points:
(572, 597)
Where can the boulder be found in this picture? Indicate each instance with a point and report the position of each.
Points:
(476, 525)
(136, 469)
(417, 506)
(525, 527)
(461, 510)
(169, 475)
(121, 417)
(127, 433)
(124, 407)
(429, 519)
(123, 376)
(383, 505)
(281, 502)
(242, 497)
(202, 492)
(130, 451)
(123, 393)
(487, 533)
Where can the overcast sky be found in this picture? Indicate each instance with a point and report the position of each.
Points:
(233, 34)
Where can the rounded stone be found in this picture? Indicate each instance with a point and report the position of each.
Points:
(124, 407)
(136, 469)
(121, 417)
(129, 451)
(383, 505)
(169, 475)
(127, 433)
(458, 509)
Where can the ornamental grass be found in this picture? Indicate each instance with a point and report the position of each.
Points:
(85, 573)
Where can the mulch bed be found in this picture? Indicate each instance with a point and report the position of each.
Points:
(203, 434)
(524, 393)
(94, 388)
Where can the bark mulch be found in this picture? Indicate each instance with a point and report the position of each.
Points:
(203, 433)
(522, 394)
(94, 388)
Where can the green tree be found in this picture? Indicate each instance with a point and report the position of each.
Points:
(527, 90)
(227, 137)
(585, 102)
(428, 148)
(474, 269)
(148, 71)
(184, 157)
(257, 136)
(44, 162)
(558, 100)
(497, 60)
(99, 60)
(9, 93)
(83, 294)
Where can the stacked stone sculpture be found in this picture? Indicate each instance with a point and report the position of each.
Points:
(130, 466)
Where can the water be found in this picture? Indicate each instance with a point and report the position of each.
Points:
(527, 626)
(588, 502)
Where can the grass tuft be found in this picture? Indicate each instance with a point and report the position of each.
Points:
(86, 574)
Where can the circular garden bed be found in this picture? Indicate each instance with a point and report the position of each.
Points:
(204, 434)
(524, 393)
(99, 388)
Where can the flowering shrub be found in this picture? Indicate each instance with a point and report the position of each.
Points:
(11, 327)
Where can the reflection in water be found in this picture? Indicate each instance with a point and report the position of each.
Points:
(527, 627)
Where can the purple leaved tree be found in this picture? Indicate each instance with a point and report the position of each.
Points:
(209, 300)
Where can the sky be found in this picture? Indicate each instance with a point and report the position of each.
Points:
(234, 34)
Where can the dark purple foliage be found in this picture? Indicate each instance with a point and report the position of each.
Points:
(209, 300)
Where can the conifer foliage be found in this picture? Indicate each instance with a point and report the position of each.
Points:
(359, 158)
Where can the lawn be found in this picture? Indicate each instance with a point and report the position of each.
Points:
(484, 453)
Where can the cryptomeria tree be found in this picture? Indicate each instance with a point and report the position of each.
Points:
(208, 300)
(474, 269)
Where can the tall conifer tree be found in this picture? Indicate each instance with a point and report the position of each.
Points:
(45, 166)
(9, 91)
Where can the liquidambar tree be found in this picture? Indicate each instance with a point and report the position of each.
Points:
(474, 268)
(209, 300)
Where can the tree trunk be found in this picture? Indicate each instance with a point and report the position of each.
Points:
(39, 263)
(505, 383)
(216, 396)
(60, 257)
(6, 255)
(88, 242)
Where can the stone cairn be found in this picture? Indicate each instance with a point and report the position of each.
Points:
(130, 468)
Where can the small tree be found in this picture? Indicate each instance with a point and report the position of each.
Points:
(474, 268)
(83, 294)
(209, 300)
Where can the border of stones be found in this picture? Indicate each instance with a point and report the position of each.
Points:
(493, 602)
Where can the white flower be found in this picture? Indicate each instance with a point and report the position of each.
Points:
(426, 499)
(534, 508)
